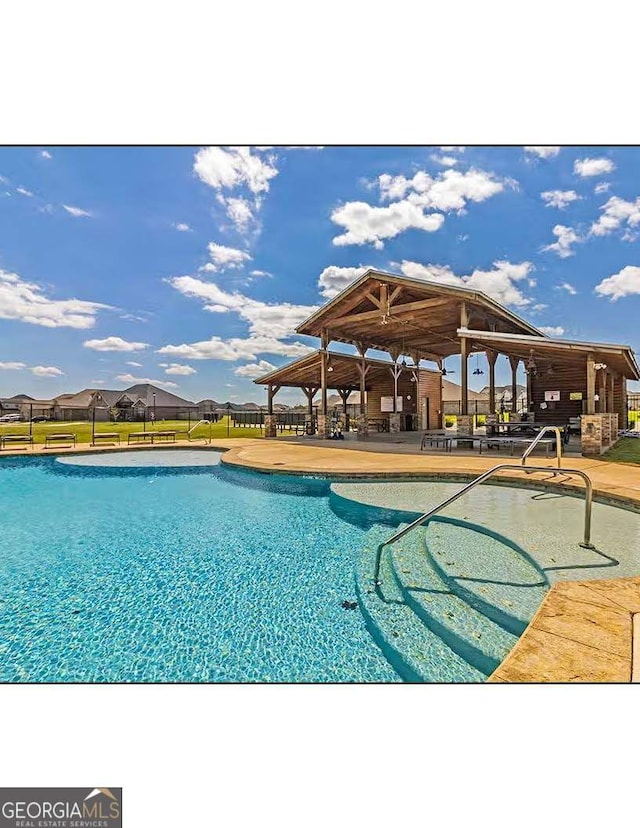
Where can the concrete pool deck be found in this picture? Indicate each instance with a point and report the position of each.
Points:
(583, 630)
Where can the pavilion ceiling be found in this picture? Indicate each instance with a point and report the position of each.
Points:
(409, 316)
(343, 372)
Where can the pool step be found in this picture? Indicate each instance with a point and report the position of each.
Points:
(488, 572)
(415, 651)
(466, 630)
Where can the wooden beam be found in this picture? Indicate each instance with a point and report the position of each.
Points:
(373, 299)
(464, 315)
(464, 376)
(395, 294)
(323, 381)
(492, 356)
(395, 310)
(514, 361)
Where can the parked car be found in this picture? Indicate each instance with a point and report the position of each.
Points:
(10, 418)
(40, 418)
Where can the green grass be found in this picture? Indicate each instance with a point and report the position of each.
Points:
(83, 430)
(626, 450)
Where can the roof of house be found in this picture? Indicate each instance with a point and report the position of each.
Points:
(140, 393)
(451, 392)
(145, 393)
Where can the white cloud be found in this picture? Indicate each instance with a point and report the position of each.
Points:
(550, 330)
(255, 369)
(23, 191)
(225, 258)
(568, 287)
(617, 213)
(257, 273)
(25, 302)
(114, 343)
(364, 223)
(134, 364)
(334, 279)
(12, 366)
(559, 198)
(229, 169)
(144, 381)
(45, 154)
(444, 160)
(180, 370)
(240, 212)
(602, 187)
(499, 283)
(276, 321)
(182, 227)
(231, 350)
(624, 283)
(566, 236)
(76, 211)
(451, 190)
(269, 324)
(543, 152)
(46, 371)
(586, 167)
(453, 149)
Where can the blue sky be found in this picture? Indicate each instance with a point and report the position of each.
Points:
(191, 266)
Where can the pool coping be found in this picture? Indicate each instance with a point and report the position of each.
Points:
(583, 631)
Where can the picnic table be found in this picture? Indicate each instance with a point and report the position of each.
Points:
(111, 436)
(144, 435)
(15, 438)
(437, 438)
(59, 438)
(512, 442)
(382, 424)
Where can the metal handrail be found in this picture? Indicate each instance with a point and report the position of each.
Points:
(193, 428)
(586, 543)
(539, 437)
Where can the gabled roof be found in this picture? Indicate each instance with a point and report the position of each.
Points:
(144, 392)
(409, 315)
(620, 358)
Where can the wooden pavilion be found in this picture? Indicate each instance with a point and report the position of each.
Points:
(414, 321)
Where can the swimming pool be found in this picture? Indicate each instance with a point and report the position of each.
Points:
(176, 573)
(167, 566)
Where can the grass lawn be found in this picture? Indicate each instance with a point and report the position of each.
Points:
(626, 450)
(82, 430)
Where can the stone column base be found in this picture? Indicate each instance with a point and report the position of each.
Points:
(394, 423)
(309, 426)
(591, 434)
(270, 425)
(363, 425)
(464, 430)
(324, 426)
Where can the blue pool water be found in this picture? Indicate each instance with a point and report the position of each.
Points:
(192, 574)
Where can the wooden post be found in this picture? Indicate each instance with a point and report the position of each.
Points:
(272, 391)
(362, 370)
(492, 356)
(464, 376)
(611, 400)
(514, 362)
(324, 341)
(344, 396)
(591, 385)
